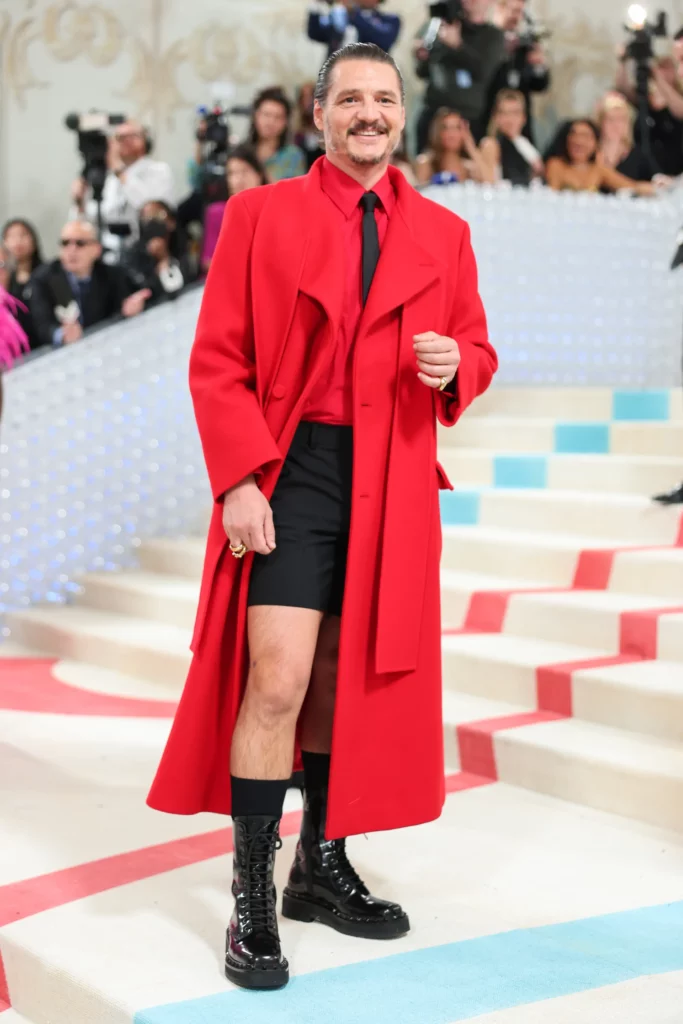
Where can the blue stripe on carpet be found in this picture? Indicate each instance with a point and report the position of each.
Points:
(582, 438)
(640, 405)
(520, 471)
(459, 508)
(458, 981)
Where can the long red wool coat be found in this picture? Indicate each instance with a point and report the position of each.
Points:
(268, 322)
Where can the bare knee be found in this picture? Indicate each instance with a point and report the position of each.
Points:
(276, 689)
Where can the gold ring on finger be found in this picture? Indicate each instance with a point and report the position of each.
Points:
(443, 383)
(238, 550)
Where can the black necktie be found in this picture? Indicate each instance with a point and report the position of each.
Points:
(370, 241)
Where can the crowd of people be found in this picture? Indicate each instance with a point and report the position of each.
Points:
(139, 246)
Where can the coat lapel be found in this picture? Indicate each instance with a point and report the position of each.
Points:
(405, 266)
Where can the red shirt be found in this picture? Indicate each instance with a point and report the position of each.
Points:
(331, 400)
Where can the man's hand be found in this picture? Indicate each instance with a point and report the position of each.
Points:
(135, 303)
(72, 332)
(248, 518)
(78, 190)
(536, 57)
(437, 357)
(451, 35)
(420, 50)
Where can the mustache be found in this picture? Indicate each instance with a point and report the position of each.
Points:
(367, 126)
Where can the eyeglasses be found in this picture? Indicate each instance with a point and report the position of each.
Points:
(80, 243)
(122, 136)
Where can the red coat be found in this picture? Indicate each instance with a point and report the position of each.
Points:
(271, 307)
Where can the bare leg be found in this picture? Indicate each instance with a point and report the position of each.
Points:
(317, 715)
(282, 645)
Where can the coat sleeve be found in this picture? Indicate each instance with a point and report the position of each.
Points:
(467, 324)
(234, 434)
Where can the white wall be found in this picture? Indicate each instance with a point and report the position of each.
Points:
(157, 59)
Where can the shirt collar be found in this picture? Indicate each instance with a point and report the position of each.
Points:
(346, 193)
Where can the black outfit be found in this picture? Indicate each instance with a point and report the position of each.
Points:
(23, 292)
(666, 141)
(459, 79)
(310, 145)
(142, 270)
(637, 165)
(312, 514)
(372, 26)
(100, 300)
(517, 73)
(514, 167)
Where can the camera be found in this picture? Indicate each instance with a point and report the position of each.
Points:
(444, 13)
(642, 32)
(93, 144)
(531, 32)
(215, 136)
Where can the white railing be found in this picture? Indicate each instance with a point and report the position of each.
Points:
(98, 445)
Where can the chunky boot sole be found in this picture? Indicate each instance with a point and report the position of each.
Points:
(252, 977)
(308, 909)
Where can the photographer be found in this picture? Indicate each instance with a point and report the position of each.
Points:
(133, 179)
(352, 21)
(525, 68)
(664, 111)
(460, 64)
(158, 261)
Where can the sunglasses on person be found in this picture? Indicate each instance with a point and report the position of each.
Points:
(80, 243)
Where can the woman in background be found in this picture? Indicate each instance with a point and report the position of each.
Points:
(242, 171)
(616, 148)
(269, 134)
(158, 261)
(452, 155)
(507, 153)
(13, 340)
(306, 135)
(577, 168)
(22, 243)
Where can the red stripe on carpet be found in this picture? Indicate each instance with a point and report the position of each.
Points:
(638, 631)
(475, 739)
(554, 682)
(27, 684)
(487, 608)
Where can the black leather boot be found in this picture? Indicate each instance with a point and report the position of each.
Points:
(323, 885)
(253, 957)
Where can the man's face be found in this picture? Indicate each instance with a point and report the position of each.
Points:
(131, 140)
(78, 249)
(514, 9)
(477, 11)
(363, 116)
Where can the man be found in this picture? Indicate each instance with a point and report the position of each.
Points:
(78, 291)
(525, 68)
(459, 67)
(133, 179)
(359, 21)
(317, 381)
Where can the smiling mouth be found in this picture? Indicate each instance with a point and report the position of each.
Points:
(368, 133)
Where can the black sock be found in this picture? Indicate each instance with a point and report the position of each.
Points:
(316, 771)
(258, 797)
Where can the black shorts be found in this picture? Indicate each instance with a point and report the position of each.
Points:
(312, 514)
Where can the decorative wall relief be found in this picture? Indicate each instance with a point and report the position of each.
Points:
(16, 41)
(71, 30)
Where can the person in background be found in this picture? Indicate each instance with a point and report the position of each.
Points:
(577, 168)
(452, 155)
(306, 135)
(133, 179)
(158, 262)
(352, 21)
(665, 112)
(269, 134)
(459, 67)
(525, 67)
(22, 242)
(78, 290)
(400, 159)
(242, 171)
(617, 149)
(13, 340)
(506, 151)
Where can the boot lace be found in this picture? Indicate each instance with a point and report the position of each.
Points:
(259, 893)
(341, 867)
